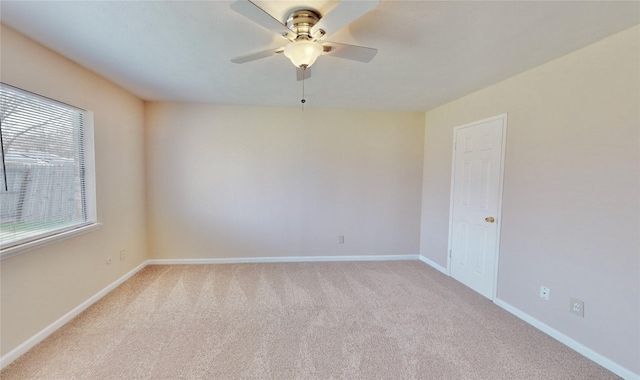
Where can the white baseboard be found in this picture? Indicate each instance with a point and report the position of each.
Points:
(283, 259)
(12, 355)
(433, 264)
(576, 346)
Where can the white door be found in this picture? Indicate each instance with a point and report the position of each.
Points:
(475, 203)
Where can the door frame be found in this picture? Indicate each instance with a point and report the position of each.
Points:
(503, 118)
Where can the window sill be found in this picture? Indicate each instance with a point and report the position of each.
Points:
(22, 248)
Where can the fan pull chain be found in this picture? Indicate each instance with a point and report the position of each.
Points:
(303, 100)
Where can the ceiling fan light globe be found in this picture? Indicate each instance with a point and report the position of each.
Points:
(303, 53)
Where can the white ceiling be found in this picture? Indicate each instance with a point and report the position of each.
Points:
(430, 52)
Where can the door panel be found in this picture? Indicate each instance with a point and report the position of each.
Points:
(477, 183)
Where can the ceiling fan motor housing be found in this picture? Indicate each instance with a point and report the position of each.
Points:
(301, 21)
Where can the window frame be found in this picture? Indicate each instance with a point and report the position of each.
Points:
(90, 204)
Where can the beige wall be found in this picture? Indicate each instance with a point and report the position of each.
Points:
(571, 191)
(40, 286)
(228, 182)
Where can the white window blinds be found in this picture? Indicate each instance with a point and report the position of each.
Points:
(47, 174)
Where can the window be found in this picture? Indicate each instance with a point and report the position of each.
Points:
(47, 185)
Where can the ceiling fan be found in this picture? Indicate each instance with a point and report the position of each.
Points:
(305, 29)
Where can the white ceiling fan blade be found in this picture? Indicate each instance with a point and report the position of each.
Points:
(303, 74)
(257, 55)
(352, 52)
(260, 17)
(343, 14)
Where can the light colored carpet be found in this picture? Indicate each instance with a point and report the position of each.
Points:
(358, 320)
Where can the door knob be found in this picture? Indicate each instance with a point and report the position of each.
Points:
(489, 219)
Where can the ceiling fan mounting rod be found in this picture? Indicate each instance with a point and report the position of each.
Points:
(301, 21)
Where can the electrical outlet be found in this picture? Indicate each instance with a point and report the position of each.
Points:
(544, 293)
(341, 239)
(122, 255)
(577, 307)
